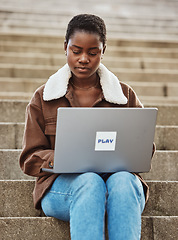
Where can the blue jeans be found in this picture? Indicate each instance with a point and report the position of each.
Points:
(83, 199)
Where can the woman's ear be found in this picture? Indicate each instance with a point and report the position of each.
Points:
(65, 46)
(104, 48)
(103, 52)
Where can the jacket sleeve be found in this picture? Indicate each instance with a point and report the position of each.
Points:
(135, 102)
(36, 150)
(133, 99)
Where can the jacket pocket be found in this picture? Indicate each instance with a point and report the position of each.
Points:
(50, 126)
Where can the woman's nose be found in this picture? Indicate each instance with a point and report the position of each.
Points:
(84, 59)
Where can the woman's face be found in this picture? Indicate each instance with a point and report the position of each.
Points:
(84, 52)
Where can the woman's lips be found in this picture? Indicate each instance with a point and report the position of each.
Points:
(82, 69)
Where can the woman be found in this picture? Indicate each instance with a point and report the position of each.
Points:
(82, 199)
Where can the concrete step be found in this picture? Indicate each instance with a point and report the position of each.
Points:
(26, 71)
(150, 100)
(28, 85)
(14, 111)
(164, 166)
(167, 114)
(136, 75)
(123, 35)
(166, 137)
(136, 9)
(153, 88)
(59, 59)
(113, 25)
(34, 228)
(13, 38)
(53, 27)
(10, 168)
(16, 199)
(146, 100)
(119, 25)
(15, 95)
(60, 20)
(153, 228)
(114, 51)
(146, 75)
(22, 85)
(11, 136)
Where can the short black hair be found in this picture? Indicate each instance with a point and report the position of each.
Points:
(88, 23)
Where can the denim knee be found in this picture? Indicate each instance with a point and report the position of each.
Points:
(122, 179)
(90, 182)
(125, 185)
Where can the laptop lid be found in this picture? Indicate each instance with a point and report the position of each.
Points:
(104, 139)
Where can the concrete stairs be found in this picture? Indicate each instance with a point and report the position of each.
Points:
(142, 50)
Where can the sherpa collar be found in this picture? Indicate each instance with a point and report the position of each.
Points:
(57, 85)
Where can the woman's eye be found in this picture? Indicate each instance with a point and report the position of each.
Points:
(92, 54)
(75, 52)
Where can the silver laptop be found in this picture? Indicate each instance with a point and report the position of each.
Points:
(104, 140)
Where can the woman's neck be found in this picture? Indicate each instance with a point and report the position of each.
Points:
(85, 83)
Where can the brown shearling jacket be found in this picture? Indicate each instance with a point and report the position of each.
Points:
(40, 125)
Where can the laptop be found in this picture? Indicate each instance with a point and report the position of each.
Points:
(104, 140)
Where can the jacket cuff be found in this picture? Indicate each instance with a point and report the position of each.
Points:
(48, 160)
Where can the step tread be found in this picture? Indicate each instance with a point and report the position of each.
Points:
(17, 198)
(37, 71)
(164, 166)
(42, 38)
(11, 136)
(46, 59)
(49, 228)
(14, 110)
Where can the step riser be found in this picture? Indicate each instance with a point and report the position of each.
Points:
(11, 136)
(111, 51)
(117, 28)
(108, 62)
(10, 168)
(130, 31)
(166, 138)
(155, 90)
(21, 85)
(60, 20)
(18, 71)
(16, 199)
(142, 89)
(138, 76)
(164, 166)
(50, 228)
(143, 30)
(146, 100)
(14, 111)
(156, 101)
(31, 38)
(162, 192)
(125, 34)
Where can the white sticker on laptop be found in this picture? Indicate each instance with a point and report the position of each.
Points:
(105, 141)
